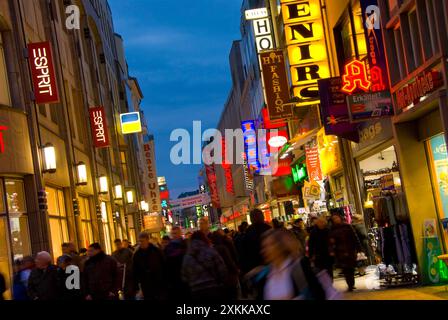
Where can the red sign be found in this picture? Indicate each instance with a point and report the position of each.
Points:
(2, 143)
(276, 140)
(268, 124)
(164, 195)
(42, 71)
(283, 168)
(355, 77)
(98, 124)
(313, 163)
(211, 178)
(422, 85)
(227, 170)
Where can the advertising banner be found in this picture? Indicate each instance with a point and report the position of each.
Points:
(153, 191)
(276, 85)
(370, 105)
(42, 72)
(98, 124)
(211, 178)
(313, 162)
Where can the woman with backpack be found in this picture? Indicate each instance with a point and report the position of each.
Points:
(288, 275)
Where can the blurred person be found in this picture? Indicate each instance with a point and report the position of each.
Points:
(165, 241)
(43, 280)
(289, 274)
(22, 273)
(231, 283)
(70, 249)
(174, 252)
(65, 293)
(149, 270)
(82, 258)
(361, 231)
(188, 235)
(204, 226)
(204, 270)
(276, 224)
(252, 241)
(318, 246)
(344, 248)
(100, 276)
(2, 286)
(124, 257)
(299, 231)
(127, 244)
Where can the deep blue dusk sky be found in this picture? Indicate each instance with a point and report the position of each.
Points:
(179, 51)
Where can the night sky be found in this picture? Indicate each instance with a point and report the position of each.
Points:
(179, 51)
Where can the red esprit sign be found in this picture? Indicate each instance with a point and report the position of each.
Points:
(42, 71)
(2, 143)
(98, 124)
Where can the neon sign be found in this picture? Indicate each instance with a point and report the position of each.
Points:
(227, 169)
(299, 173)
(2, 143)
(355, 77)
(250, 143)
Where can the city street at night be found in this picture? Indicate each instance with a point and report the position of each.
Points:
(217, 158)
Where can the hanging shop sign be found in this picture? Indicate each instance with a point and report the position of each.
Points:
(329, 153)
(313, 162)
(42, 72)
(130, 122)
(370, 105)
(375, 45)
(2, 141)
(211, 178)
(276, 140)
(263, 32)
(422, 85)
(307, 51)
(248, 177)
(98, 125)
(373, 132)
(227, 167)
(250, 144)
(299, 173)
(254, 14)
(276, 86)
(152, 223)
(282, 167)
(152, 191)
(334, 110)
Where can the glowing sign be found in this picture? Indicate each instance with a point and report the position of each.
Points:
(307, 50)
(227, 169)
(99, 128)
(299, 173)
(355, 77)
(250, 143)
(130, 123)
(276, 140)
(42, 71)
(256, 13)
(2, 143)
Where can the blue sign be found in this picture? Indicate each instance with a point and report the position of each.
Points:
(250, 143)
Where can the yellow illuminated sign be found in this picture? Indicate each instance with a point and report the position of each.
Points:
(329, 153)
(307, 50)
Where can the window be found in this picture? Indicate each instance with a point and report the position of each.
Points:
(86, 221)
(5, 98)
(106, 227)
(57, 219)
(124, 167)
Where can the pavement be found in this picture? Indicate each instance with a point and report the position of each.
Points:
(364, 291)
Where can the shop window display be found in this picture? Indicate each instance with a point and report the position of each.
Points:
(387, 218)
(57, 219)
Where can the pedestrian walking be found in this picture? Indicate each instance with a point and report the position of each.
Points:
(100, 276)
(204, 227)
(252, 241)
(165, 241)
(124, 257)
(299, 231)
(318, 246)
(70, 249)
(127, 244)
(43, 280)
(149, 270)
(174, 252)
(204, 270)
(68, 290)
(22, 273)
(344, 247)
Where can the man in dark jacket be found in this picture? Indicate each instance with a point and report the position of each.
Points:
(344, 246)
(124, 257)
(252, 240)
(69, 248)
(100, 277)
(174, 255)
(43, 280)
(149, 270)
(298, 229)
(318, 246)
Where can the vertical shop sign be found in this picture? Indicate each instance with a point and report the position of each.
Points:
(248, 178)
(98, 124)
(211, 178)
(2, 142)
(307, 51)
(250, 144)
(227, 169)
(153, 186)
(313, 162)
(42, 72)
(276, 85)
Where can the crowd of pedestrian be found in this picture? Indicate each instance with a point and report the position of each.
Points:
(260, 261)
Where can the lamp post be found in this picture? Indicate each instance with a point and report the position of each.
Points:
(49, 157)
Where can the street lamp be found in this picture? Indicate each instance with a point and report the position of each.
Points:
(118, 192)
(81, 170)
(49, 154)
(104, 187)
(144, 206)
(130, 197)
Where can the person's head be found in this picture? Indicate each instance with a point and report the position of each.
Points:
(165, 241)
(279, 245)
(82, 251)
(199, 236)
(43, 260)
(126, 243)
(204, 225)
(243, 226)
(118, 244)
(321, 223)
(336, 219)
(226, 231)
(94, 249)
(313, 220)
(27, 263)
(143, 240)
(176, 233)
(298, 223)
(66, 248)
(64, 261)
(256, 216)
